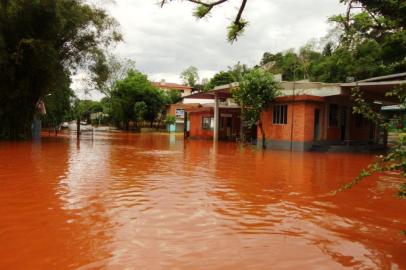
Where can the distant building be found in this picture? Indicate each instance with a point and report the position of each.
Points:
(178, 109)
(165, 86)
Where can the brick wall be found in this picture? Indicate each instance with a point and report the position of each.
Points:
(301, 114)
(196, 130)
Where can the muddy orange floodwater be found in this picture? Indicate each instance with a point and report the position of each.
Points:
(128, 201)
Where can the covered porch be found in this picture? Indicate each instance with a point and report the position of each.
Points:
(218, 120)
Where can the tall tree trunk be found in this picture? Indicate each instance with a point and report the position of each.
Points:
(242, 137)
(78, 127)
(261, 127)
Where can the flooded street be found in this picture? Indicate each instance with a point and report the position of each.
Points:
(144, 201)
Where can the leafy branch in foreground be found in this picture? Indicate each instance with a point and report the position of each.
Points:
(395, 160)
(203, 8)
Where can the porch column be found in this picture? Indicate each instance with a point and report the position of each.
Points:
(216, 119)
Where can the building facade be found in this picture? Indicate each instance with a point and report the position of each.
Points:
(306, 116)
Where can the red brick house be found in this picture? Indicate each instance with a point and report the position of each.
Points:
(308, 115)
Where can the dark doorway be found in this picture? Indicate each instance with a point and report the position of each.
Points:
(343, 123)
(226, 125)
(316, 135)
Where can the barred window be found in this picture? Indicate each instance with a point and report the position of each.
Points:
(280, 114)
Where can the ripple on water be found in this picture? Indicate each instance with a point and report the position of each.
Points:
(129, 201)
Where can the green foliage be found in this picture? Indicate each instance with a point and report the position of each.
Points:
(402, 191)
(82, 109)
(136, 89)
(58, 105)
(170, 120)
(372, 43)
(106, 70)
(233, 74)
(201, 11)
(41, 43)
(395, 160)
(365, 60)
(236, 29)
(256, 90)
(173, 96)
(140, 108)
(203, 8)
(190, 76)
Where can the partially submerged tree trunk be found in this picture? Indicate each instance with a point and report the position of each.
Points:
(16, 118)
(242, 137)
(78, 127)
(261, 127)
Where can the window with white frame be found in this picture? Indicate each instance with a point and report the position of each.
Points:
(207, 122)
(180, 113)
(280, 114)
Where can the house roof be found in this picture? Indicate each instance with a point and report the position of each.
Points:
(373, 88)
(167, 85)
(397, 76)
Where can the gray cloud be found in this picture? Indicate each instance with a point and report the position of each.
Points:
(164, 41)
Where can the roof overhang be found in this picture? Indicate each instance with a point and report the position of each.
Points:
(376, 91)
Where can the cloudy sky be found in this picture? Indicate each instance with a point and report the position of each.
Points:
(165, 41)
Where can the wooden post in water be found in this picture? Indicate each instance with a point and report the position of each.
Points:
(78, 127)
(216, 118)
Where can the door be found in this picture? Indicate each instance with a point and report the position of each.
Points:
(226, 125)
(316, 135)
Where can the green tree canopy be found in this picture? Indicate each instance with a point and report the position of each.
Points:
(233, 74)
(59, 105)
(190, 76)
(257, 89)
(134, 89)
(41, 43)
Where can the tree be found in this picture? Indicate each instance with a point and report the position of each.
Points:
(285, 63)
(139, 110)
(190, 76)
(58, 105)
(132, 90)
(233, 74)
(173, 96)
(203, 9)
(107, 70)
(395, 160)
(170, 120)
(257, 89)
(221, 78)
(41, 43)
(82, 109)
(382, 22)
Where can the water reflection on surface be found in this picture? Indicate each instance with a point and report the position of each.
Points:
(130, 201)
